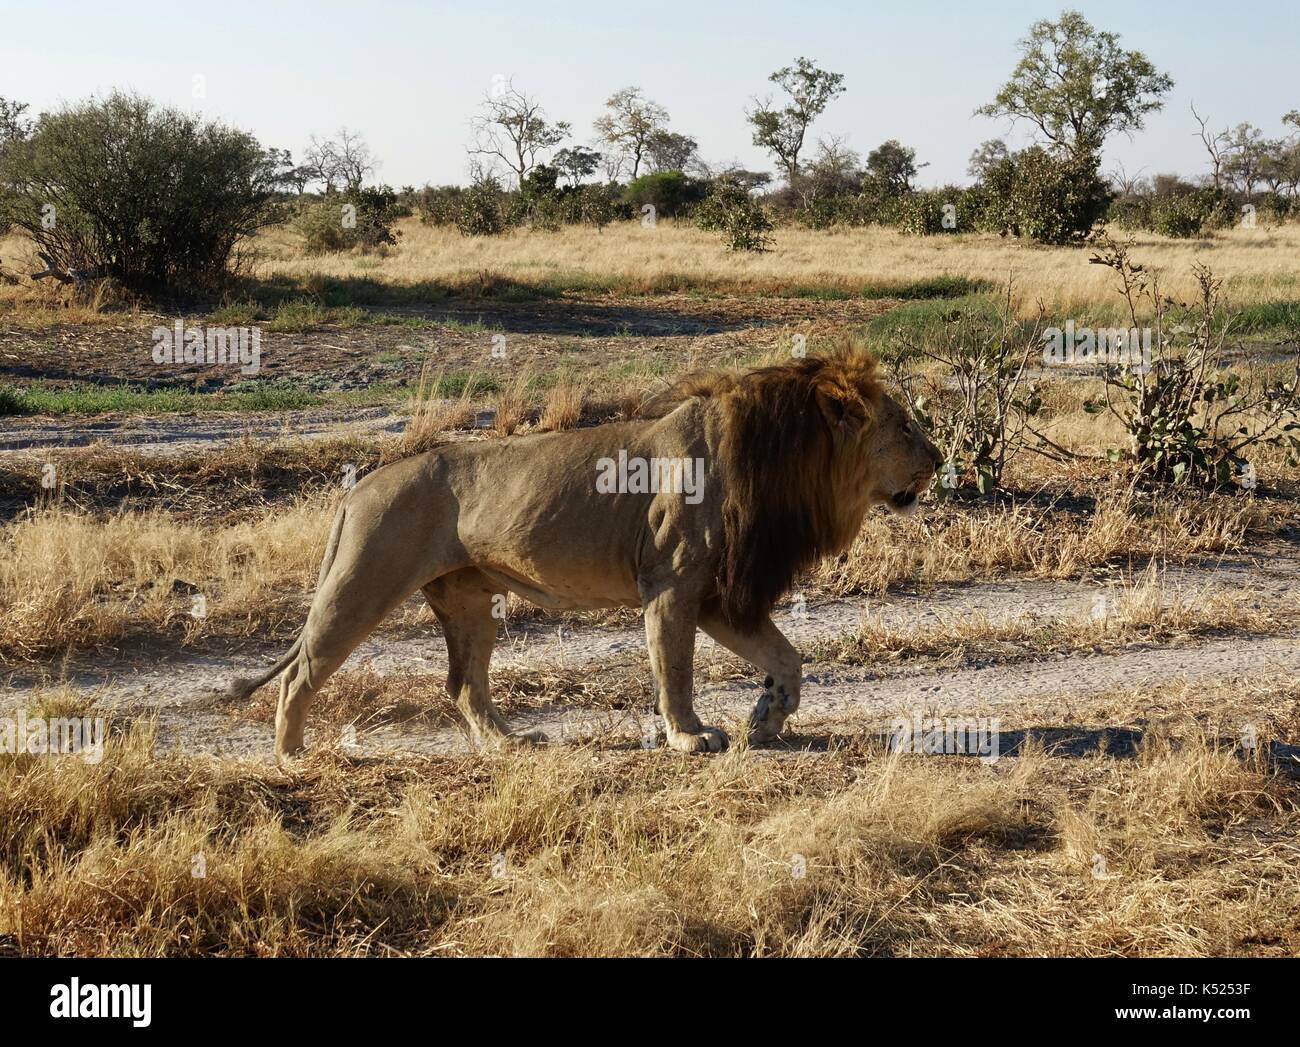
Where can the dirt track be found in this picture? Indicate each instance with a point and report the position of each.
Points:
(1021, 687)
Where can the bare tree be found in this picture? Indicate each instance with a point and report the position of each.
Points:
(1126, 184)
(343, 160)
(631, 124)
(1217, 143)
(514, 130)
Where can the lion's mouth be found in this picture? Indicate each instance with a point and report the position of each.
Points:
(903, 499)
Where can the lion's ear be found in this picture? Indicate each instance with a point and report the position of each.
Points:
(842, 414)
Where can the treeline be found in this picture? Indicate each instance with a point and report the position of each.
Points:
(161, 200)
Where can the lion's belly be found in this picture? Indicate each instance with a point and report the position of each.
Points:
(569, 594)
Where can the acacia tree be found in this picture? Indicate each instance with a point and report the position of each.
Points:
(631, 124)
(1248, 152)
(986, 157)
(1282, 169)
(782, 131)
(576, 162)
(13, 124)
(670, 151)
(1077, 86)
(514, 130)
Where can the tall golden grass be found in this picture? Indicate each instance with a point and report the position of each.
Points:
(576, 851)
(1258, 265)
(72, 580)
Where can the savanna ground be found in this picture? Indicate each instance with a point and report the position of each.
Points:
(162, 528)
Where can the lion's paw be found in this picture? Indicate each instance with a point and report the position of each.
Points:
(706, 740)
(522, 739)
(767, 720)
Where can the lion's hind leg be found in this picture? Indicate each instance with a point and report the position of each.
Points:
(463, 603)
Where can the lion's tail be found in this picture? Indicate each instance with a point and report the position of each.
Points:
(243, 686)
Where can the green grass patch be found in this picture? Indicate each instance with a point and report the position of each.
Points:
(919, 320)
(302, 314)
(237, 314)
(1276, 319)
(92, 400)
(928, 288)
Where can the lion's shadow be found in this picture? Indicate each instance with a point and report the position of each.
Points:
(1061, 742)
(1068, 742)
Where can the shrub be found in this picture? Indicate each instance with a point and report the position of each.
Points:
(1189, 419)
(359, 219)
(670, 193)
(926, 213)
(822, 212)
(743, 221)
(439, 205)
(482, 211)
(1043, 196)
(978, 404)
(1133, 211)
(153, 198)
(596, 204)
(1182, 217)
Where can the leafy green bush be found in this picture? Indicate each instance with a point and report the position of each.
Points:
(1188, 417)
(670, 193)
(927, 212)
(597, 205)
(1043, 196)
(1182, 217)
(743, 220)
(439, 205)
(482, 210)
(154, 198)
(360, 219)
(1132, 211)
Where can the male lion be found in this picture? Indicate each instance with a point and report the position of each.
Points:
(792, 456)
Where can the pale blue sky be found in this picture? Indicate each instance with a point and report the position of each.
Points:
(409, 75)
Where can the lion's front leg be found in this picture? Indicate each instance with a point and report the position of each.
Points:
(767, 648)
(670, 620)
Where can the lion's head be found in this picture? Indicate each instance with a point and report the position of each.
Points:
(803, 450)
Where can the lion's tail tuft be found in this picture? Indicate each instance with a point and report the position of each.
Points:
(242, 687)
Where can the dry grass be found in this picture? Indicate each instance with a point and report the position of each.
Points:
(564, 404)
(1257, 264)
(1146, 610)
(955, 544)
(72, 580)
(366, 699)
(583, 852)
